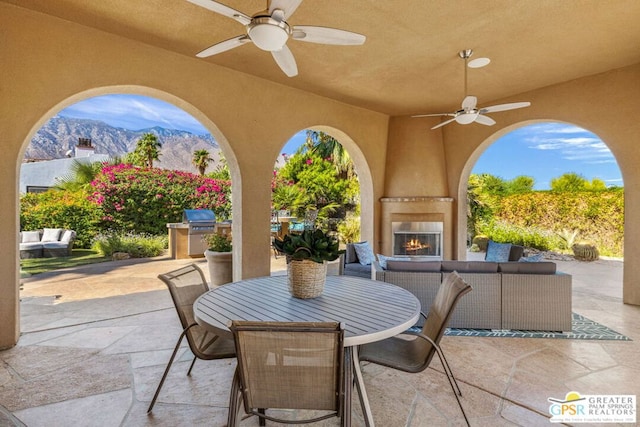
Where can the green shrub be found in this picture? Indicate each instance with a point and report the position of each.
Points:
(136, 245)
(349, 229)
(597, 216)
(530, 237)
(61, 209)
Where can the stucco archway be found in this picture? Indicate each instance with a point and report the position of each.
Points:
(473, 158)
(154, 93)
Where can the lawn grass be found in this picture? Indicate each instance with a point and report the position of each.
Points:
(78, 257)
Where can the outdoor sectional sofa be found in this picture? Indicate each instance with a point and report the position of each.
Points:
(506, 295)
(48, 243)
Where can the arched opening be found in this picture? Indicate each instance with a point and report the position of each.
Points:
(315, 185)
(569, 153)
(154, 94)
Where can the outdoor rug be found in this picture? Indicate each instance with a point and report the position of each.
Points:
(583, 329)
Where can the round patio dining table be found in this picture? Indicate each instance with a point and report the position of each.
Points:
(370, 311)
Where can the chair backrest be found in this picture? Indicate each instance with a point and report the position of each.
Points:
(186, 284)
(290, 365)
(449, 293)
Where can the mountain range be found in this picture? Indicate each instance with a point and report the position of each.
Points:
(60, 134)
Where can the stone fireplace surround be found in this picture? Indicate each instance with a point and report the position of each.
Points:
(417, 209)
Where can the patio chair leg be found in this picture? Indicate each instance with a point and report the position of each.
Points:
(166, 371)
(234, 401)
(452, 380)
(191, 367)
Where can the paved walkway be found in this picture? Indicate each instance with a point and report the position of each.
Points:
(95, 340)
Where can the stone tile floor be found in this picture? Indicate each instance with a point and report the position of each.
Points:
(95, 341)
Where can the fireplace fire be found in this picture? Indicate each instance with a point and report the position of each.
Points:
(417, 239)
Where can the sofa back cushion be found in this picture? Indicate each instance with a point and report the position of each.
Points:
(67, 236)
(470, 266)
(30, 237)
(516, 252)
(51, 234)
(382, 260)
(544, 267)
(420, 266)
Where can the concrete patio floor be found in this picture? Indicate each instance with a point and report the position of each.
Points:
(95, 340)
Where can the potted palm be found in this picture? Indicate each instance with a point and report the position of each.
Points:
(219, 258)
(307, 256)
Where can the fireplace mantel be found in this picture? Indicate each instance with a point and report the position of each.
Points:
(417, 209)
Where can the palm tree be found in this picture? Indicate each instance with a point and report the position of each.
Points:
(81, 174)
(149, 148)
(201, 159)
(328, 147)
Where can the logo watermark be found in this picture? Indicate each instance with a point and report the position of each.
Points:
(593, 408)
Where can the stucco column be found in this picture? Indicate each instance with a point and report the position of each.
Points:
(9, 259)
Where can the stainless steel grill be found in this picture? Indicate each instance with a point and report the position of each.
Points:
(201, 222)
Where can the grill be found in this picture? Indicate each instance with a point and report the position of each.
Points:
(200, 222)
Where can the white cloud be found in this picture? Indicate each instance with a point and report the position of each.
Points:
(134, 112)
(572, 142)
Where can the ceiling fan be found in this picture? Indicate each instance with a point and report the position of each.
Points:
(469, 112)
(269, 30)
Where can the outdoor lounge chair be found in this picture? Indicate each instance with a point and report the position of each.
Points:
(288, 365)
(415, 355)
(186, 284)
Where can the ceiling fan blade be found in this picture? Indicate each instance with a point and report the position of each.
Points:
(484, 120)
(285, 60)
(287, 6)
(224, 46)
(434, 115)
(504, 107)
(325, 35)
(469, 103)
(446, 122)
(220, 8)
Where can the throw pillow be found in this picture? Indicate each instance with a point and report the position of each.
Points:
(66, 236)
(532, 258)
(364, 252)
(51, 234)
(498, 252)
(30, 237)
(382, 260)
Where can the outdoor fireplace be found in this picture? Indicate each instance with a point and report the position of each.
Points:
(417, 239)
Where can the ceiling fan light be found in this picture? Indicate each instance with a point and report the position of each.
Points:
(466, 118)
(269, 34)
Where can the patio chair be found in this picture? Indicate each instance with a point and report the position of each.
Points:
(288, 365)
(186, 284)
(415, 355)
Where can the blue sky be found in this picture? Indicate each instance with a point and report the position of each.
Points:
(542, 151)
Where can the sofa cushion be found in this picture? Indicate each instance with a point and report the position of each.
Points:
(364, 252)
(497, 252)
(419, 266)
(350, 254)
(30, 237)
(357, 269)
(382, 260)
(51, 234)
(55, 245)
(67, 236)
(30, 245)
(470, 266)
(516, 252)
(532, 258)
(528, 267)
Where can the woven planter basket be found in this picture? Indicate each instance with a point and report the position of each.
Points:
(306, 278)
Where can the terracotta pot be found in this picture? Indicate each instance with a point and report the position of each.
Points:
(220, 267)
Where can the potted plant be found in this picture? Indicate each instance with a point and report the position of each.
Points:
(307, 254)
(219, 258)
